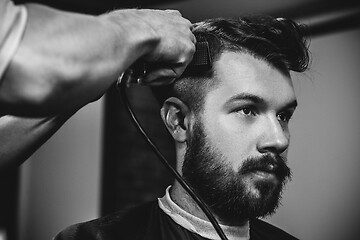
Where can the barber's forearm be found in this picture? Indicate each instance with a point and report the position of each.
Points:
(67, 59)
(21, 137)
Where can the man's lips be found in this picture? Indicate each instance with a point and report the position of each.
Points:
(268, 171)
(262, 174)
(268, 168)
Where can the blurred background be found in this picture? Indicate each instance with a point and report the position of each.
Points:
(97, 163)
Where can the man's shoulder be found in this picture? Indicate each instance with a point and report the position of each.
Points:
(147, 222)
(128, 222)
(262, 230)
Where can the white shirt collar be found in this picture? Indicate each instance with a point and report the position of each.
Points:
(200, 226)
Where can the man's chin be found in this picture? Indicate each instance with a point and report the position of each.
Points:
(260, 198)
(263, 182)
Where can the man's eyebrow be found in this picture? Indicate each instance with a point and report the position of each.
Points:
(291, 105)
(259, 100)
(247, 96)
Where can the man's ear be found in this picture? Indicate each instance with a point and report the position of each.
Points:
(176, 116)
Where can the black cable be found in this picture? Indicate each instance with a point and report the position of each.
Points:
(179, 178)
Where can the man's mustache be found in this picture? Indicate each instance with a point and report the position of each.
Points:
(267, 163)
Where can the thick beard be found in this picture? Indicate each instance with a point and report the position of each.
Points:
(227, 192)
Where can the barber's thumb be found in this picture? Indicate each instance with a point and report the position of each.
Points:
(162, 76)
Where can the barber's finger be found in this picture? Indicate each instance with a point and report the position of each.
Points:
(161, 76)
(162, 81)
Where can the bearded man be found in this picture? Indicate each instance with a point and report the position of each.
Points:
(230, 125)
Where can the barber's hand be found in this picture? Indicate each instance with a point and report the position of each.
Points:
(174, 51)
(168, 43)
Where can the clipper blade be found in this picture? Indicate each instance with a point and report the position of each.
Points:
(201, 56)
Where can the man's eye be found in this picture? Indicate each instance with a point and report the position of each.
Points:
(284, 117)
(248, 111)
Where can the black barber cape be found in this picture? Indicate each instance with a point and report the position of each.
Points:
(149, 222)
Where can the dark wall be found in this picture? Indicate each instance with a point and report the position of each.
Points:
(9, 184)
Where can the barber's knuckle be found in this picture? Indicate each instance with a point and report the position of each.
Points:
(172, 11)
(188, 23)
(186, 55)
(177, 12)
(181, 59)
(192, 48)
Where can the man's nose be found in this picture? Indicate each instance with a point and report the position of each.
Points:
(275, 137)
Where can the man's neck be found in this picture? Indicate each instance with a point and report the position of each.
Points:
(181, 197)
(193, 223)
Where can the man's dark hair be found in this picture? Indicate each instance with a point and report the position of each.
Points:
(280, 42)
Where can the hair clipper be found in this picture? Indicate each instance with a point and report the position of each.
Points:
(201, 61)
